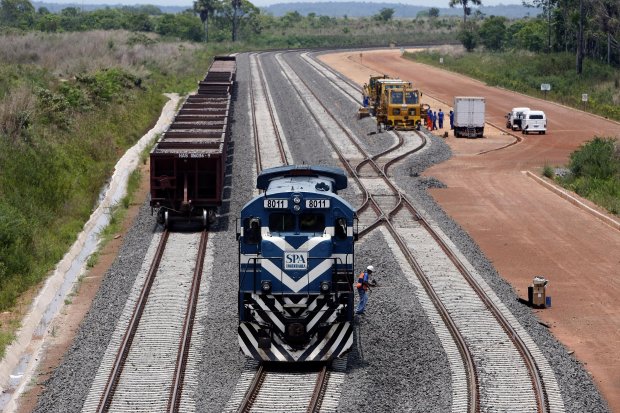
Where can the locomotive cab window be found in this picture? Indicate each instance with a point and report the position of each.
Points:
(411, 98)
(281, 222)
(340, 228)
(310, 222)
(251, 231)
(397, 98)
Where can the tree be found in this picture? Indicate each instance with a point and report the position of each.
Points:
(239, 11)
(17, 13)
(468, 36)
(204, 8)
(547, 6)
(607, 14)
(466, 8)
(493, 33)
(384, 15)
(433, 12)
(531, 35)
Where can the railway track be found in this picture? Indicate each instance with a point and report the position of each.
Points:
(513, 376)
(144, 366)
(264, 388)
(305, 391)
(265, 124)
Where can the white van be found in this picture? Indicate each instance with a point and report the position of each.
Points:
(514, 118)
(534, 121)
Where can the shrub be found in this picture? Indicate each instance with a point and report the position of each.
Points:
(595, 160)
(548, 171)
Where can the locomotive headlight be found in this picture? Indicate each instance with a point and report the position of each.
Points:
(265, 287)
(297, 199)
(325, 286)
(296, 207)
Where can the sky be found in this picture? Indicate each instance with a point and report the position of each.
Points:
(262, 3)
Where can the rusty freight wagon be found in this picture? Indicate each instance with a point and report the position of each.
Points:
(188, 162)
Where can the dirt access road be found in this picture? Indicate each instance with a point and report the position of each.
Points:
(522, 227)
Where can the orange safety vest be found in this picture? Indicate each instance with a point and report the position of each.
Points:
(362, 281)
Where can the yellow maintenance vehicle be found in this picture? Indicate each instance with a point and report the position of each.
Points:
(369, 96)
(398, 105)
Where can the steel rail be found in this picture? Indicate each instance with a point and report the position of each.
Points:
(533, 370)
(250, 395)
(319, 391)
(473, 394)
(269, 104)
(259, 164)
(279, 139)
(540, 392)
(188, 326)
(121, 355)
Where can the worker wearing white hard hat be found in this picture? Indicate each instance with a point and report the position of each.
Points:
(362, 289)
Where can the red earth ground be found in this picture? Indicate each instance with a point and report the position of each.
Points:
(522, 227)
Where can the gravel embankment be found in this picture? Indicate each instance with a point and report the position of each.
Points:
(397, 363)
(68, 386)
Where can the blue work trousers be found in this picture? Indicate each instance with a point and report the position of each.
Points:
(363, 300)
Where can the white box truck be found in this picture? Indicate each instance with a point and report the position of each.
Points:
(469, 116)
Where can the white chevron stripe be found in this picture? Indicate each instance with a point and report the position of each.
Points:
(273, 317)
(337, 342)
(320, 347)
(306, 246)
(250, 337)
(293, 285)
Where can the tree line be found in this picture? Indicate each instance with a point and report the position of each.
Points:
(589, 28)
(227, 18)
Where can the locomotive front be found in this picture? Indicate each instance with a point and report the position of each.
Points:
(296, 266)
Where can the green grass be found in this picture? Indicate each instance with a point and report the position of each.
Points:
(595, 173)
(66, 120)
(524, 72)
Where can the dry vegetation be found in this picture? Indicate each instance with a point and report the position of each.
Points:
(65, 54)
(70, 105)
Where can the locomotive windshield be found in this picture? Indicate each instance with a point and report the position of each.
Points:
(397, 97)
(281, 222)
(311, 222)
(411, 98)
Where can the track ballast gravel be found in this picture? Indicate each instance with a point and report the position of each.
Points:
(397, 363)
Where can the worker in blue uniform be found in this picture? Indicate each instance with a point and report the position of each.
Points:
(363, 286)
(451, 120)
(440, 119)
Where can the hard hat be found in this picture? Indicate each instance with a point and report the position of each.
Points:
(370, 268)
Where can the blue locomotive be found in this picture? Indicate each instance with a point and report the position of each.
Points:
(296, 260)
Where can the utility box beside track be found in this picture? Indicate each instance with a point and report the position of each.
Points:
(469, 114)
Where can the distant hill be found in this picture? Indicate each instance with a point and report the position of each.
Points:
(57, 7)
(364, 9)
(331, 9)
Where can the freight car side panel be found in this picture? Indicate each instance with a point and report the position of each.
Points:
(183, 180)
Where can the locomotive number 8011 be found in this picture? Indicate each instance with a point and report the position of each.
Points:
(296, 257)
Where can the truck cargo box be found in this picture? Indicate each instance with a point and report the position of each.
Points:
(469, 115)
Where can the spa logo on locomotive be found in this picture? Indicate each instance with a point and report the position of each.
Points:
(295, 260)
